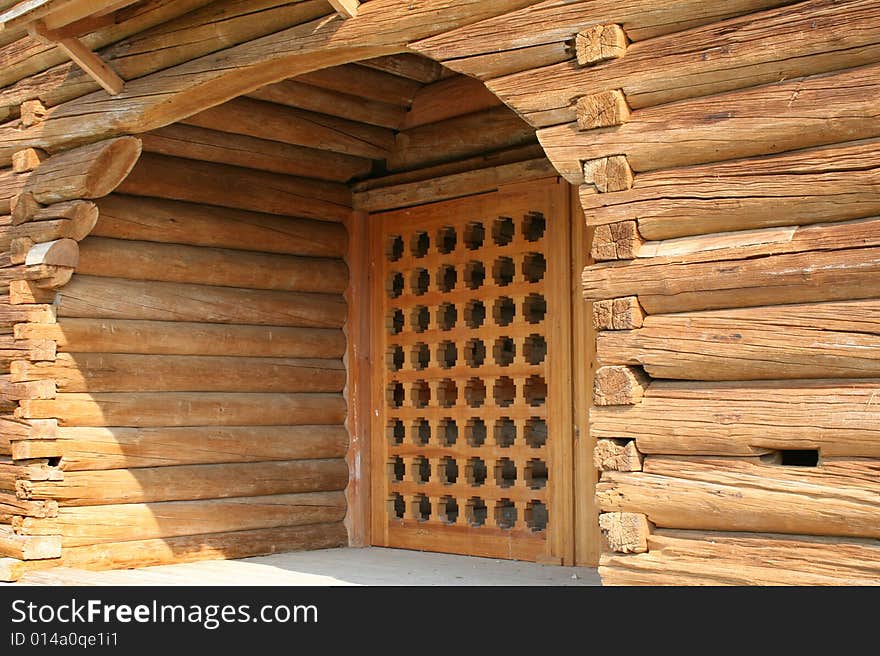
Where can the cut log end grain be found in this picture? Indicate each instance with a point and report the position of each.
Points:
(618, 314)
(617, 455)
(616, 241)
(625, 532)
(32, 112)
(602, 110)
(608, 174)
(599, 43)
(27, 160)
(617, 385)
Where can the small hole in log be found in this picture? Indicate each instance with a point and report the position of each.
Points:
(793, 457)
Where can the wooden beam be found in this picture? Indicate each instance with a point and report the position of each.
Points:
(80, 9)
(383, 27)
(346, 8)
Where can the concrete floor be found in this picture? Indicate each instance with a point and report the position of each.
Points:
(333, 567)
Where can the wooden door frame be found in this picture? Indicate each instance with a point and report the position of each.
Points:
(575, 488)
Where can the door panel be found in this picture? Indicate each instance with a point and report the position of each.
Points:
(471, 383)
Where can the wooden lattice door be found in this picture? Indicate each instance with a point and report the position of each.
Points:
(471, 361)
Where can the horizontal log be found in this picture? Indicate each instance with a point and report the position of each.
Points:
(232, 186)
(364, 81)
(752, 344)
(85, 448)
(495, 64)
(14, 314)
(408, 65)
(113, 372)
(28, 547)
(274, 122)
(837, 417)
(76, 220)
(773, 266)
(185, 338)
(624, 532)
(213, 546)
(716, 558)
(168, 221)
(383, 27)
(550, 21)
(733, 54)
(815, 185)
(28, 55)
(139, 260)
(11, 506)
(178, 30)
(449, 98)
(773, 118)
(191, 142)
(184, 482)
(187, 409)
(456, 185)
(80, 526)
(87, 172)
(294, 93)
(116, 298)
(746, 494)
(458, 137)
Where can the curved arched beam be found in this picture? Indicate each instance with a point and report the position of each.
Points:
(382, 27)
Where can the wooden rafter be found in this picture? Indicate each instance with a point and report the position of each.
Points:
(346, 8)
(60, 22)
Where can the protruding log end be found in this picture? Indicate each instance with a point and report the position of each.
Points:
(616, 241)
(599, 43)
(619, 385)
(617, 455)
(618, 314)
(602, 110)
(61, 252)
(32, 112)
(625, 532)
(608, 174)
(27, 160)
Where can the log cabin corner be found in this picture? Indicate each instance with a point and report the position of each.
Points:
(577, 282)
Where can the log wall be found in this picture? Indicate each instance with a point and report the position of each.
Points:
(724, 153)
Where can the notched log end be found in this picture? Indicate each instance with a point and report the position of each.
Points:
(625, 532)
(608, 174)
(618, 314)
(27, 160)
(599, 43)
(32, 112)
(619, 385)
(616, 241)
(602, 110)
(617, 455)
